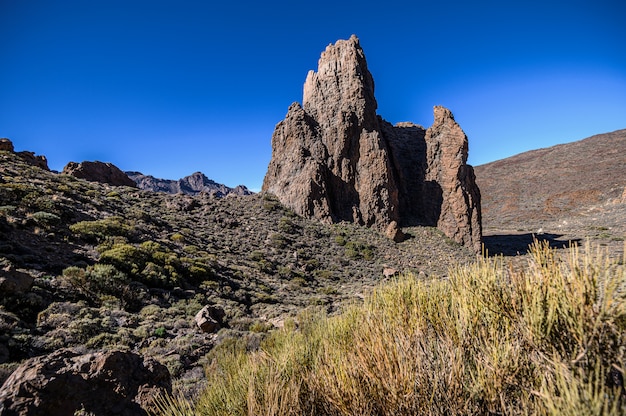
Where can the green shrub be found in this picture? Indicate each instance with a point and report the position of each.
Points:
(358, 250)
(278, 240)
(97, 280)
(125, 257)
(286, 225)
(98, 230)
(46, 218)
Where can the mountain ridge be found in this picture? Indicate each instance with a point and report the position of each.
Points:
(192, 184)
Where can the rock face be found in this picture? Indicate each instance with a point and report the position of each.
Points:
(99, 172)
(335, 159)
(66, 382)
(190, 185)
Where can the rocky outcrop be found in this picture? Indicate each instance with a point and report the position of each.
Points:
(28, 157)
(6, 145)
(335, 159)
(190, 185)
(446, 156)
(67, 382)
(99, 172)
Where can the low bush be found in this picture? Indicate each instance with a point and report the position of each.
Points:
(99, 230)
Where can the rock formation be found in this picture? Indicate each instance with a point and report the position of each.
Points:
(6, 145)
(99, 172)
(67, 382)
(28, 157)
(335, 159)
(190, 185)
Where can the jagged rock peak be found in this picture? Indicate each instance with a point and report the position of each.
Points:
(193, 184)
(99, 172)
(342, 82)
(335, 159)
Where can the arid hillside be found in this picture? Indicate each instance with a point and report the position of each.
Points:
(100, 267)
(573, 191)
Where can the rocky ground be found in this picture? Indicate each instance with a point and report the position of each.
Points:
(99, 267)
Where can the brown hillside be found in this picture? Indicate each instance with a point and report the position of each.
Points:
(574, 190)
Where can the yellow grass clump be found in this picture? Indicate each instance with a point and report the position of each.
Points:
(545, 339)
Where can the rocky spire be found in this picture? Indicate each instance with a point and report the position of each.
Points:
(446, 146)
(334, 159)
(331, 149)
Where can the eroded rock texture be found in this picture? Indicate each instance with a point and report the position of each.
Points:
(67, 382)
(335, 159)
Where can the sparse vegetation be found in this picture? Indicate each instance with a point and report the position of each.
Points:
(546, 339)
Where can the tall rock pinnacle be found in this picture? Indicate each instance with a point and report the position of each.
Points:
(335, 159)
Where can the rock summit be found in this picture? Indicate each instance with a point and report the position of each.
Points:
(335, 159)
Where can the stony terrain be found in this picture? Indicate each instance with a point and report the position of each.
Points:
(335, 159)
(568, 192)
(97, 267)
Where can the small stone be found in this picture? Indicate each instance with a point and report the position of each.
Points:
(13, 281)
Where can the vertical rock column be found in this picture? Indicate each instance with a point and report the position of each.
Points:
(446, 155)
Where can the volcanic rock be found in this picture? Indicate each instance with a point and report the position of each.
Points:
(6, 145)
(209, 318)
(99, 172)
(335, 159)
(447, 147)
(102, 383)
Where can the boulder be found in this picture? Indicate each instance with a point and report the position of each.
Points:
(99, 172)
(209, 319)
(393, 232)
(13, 281)
(335, 159)
(102, 383)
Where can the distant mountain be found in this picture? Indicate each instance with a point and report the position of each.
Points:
(190, 185)
(582, 182)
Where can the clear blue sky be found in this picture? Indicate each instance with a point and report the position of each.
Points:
(172, 87)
